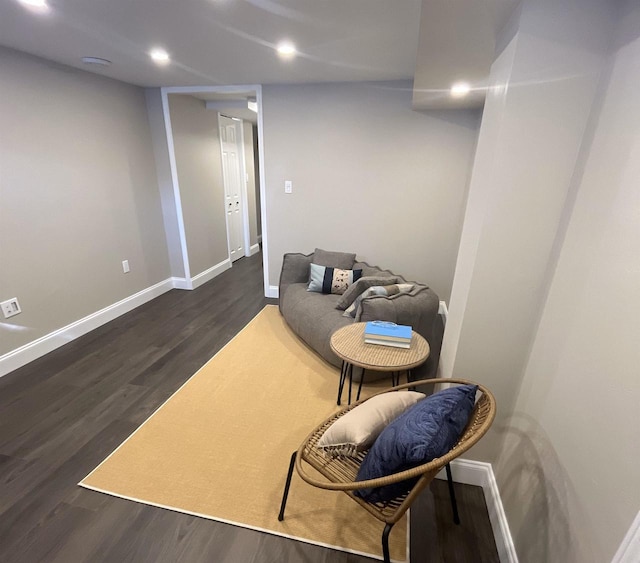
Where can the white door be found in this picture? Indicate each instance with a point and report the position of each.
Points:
(232, 173)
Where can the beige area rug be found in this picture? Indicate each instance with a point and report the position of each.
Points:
(219, 448)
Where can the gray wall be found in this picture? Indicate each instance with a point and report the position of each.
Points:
(78, 194)
(531, 136)
(545, 306)
(199, 164)
(369, 176)
(568, 467)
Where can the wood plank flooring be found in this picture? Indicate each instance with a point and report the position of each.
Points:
(64, 413)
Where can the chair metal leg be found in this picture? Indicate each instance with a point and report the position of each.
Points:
(385, 543)
(452, 495)
(287, 485)
(343, 376)
(360, 385)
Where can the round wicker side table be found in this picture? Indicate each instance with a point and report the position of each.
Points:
(349, 345)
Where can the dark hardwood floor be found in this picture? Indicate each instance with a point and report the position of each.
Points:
(64, 413)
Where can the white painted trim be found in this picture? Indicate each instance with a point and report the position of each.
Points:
(629, 550)
(245, 194)
(263, 194)
(480, 474)
(224, 188)
(181, 283)
(233, 89)
(164, 93)
(272, 291)
(210, 273)
(444, 311)
(254, 249)
(41, 346)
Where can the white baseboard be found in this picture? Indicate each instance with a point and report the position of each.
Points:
(254, 249)
(181, 283)
(207, 275)
(45, 344)
(480, 474)
(444, 311)
(629, 550)
(273, 292)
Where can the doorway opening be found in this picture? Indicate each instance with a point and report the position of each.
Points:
(239, 188)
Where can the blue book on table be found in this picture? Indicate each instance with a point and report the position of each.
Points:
(387, 329)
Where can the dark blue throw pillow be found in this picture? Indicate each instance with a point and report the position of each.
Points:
(426, 431)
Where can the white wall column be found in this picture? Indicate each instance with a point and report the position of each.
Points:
(543, 85)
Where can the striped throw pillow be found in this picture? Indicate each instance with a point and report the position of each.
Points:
(331, 280)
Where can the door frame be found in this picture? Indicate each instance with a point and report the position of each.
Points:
(244, 196)
(235, 89)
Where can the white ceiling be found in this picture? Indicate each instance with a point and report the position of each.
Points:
(222, 42)
(457, 44)
(217, 42)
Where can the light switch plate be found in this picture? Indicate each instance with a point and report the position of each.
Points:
(288, 186)
(10, 307)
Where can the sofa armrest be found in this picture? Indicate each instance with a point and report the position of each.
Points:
(418, 309)
(295, 269)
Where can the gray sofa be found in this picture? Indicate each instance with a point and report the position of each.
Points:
(314, 317)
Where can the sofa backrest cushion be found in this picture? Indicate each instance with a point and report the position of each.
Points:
(341, 260)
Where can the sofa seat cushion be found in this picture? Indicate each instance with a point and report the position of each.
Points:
(314, 318)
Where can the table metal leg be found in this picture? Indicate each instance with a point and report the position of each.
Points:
(350, 368)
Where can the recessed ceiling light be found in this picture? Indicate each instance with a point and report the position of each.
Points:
(460, 89)
(95, 61)
(286, 49)
(35, 5)
(160, 56)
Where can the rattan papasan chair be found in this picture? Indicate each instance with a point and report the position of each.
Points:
(340, 472)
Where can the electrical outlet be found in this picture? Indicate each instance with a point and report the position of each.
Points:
(10, 307)
(125, 266)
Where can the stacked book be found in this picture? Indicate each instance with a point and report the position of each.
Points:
(387, 334)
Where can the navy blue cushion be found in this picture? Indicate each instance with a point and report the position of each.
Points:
(426, 431)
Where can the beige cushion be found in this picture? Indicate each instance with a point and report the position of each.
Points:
(359, 428)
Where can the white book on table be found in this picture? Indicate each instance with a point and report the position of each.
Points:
(378, 342)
